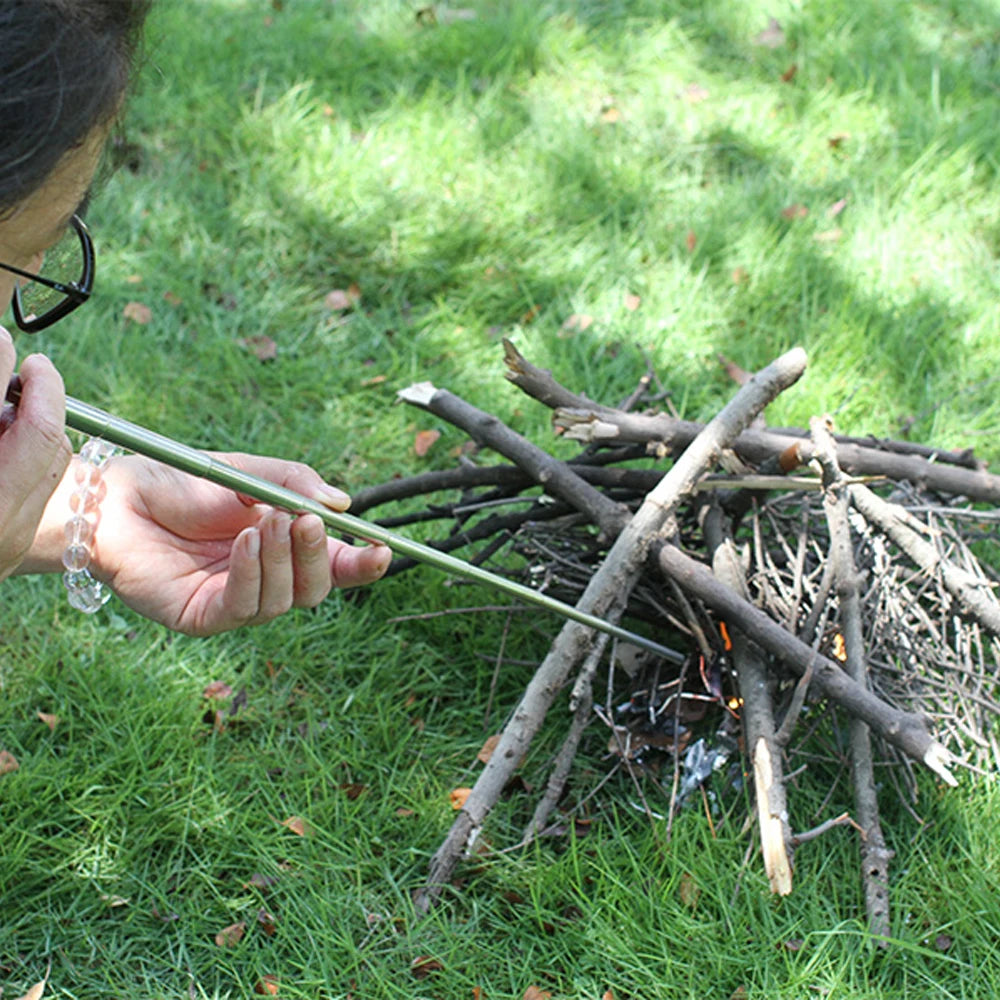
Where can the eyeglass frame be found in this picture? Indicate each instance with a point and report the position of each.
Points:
(76, 292)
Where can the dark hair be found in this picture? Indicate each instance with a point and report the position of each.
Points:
(64, 69)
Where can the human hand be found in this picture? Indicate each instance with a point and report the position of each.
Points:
(201, 559)
(34, 451)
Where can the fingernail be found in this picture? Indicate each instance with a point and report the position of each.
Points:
(314, 534)
(333, 497)
(253, 543)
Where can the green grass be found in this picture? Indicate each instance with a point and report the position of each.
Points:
(478, 179)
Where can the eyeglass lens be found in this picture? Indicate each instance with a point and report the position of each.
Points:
(64, 262)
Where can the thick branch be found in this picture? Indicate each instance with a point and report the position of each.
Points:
(553, 476)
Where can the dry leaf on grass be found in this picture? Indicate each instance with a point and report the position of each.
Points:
(487, 748)
(264, 348)
(137, 312)
(36, 991)
(231, 935)
(575, 323)
(534, 993)
(458, 797)
(266, 986)
(423, 440)
(772, 37)
(217, 691)
(298, 825)
(795, 211)
(423, 965)
(342, 299)
(50, 720)
(8, 762)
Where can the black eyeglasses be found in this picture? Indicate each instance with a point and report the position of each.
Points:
(41, 301)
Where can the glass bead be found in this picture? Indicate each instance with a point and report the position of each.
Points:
(76, 557)
(79, 531)
(82, 500)
(96, 452)
(84, 593)
(88, 476)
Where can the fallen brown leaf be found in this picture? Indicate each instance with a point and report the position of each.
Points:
(137, 312)
(534, 993)
(231, 935)
(691, 240)
(50, 720)
(342, 299)
(298, 826)
(264, 348)
(458, 797)
(36, 991)
(689, 890)
(266, 986)
(836, 208)
(8, 762)
(266, 922)
(575, 323)
(486, 752)
(795, 211)
(631, 301)
(789, 73)
(423, 440)
(423, 965)
(217, 691)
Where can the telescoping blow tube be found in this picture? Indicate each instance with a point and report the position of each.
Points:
(98, 423)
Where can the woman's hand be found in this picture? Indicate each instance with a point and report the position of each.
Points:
(34, 451)
(200, 559)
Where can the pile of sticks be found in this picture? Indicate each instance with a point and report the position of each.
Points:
(792, 567)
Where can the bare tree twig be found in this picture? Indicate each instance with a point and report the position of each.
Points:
(972, 592)
(875, 855)
(757, 717)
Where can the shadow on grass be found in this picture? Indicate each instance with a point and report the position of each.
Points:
(914, 61)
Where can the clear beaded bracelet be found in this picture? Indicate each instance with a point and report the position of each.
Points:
(84, 592)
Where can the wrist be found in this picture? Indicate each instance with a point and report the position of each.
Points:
(66, 539)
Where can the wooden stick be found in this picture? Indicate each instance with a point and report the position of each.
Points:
(756, 446)
(606, 595)
(875, 855)
(757, 717)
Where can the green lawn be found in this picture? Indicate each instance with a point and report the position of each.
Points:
(695, 181)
